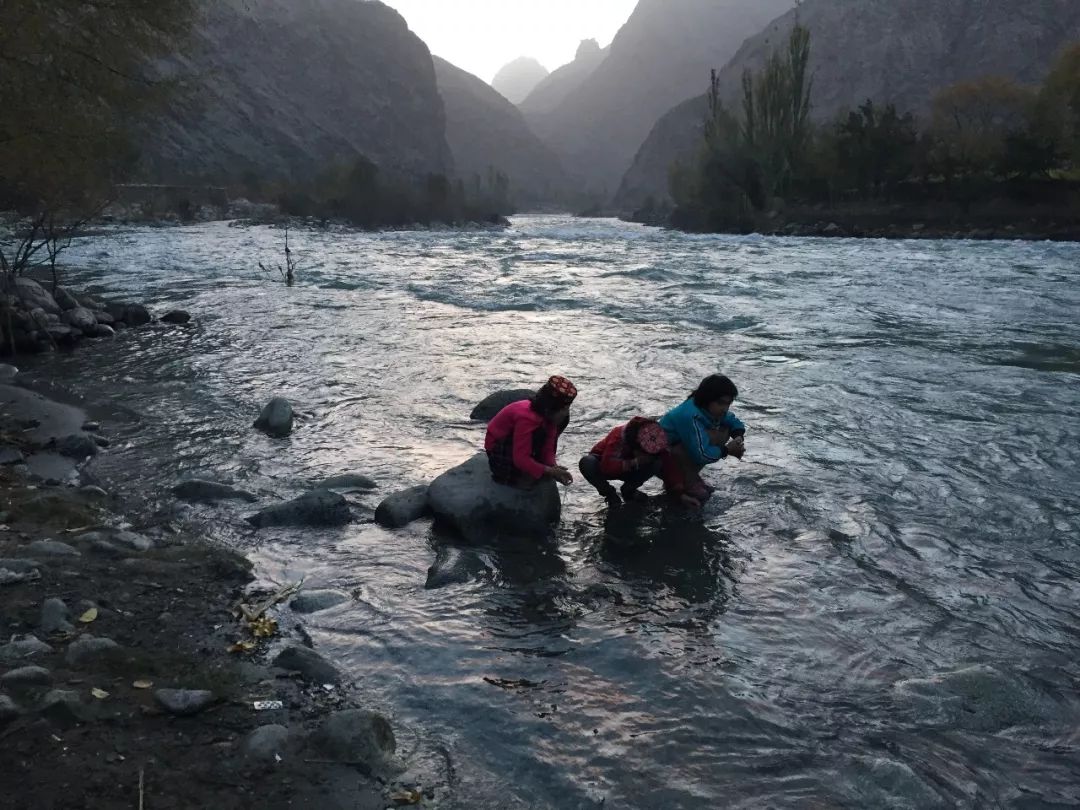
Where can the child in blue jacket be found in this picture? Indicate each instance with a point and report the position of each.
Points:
(701, 431)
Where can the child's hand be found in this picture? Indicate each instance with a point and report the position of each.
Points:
(736, 448)
(561, 474)
(717, 437)
(691, 501)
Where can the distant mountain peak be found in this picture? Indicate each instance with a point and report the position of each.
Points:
(588, 49)
(519, 78)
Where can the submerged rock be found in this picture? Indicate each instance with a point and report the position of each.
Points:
(321, 507)
(490, 405)
(314, 601)
(176, 316)
(468, 500)
(359, 737)
(346, 481)
(77, 446)
(131, 314)
(108, 540)
(977, 698)
(402, 508)
(309, 664)
(455, 566)
(198, 489)
(276, 418)
(882, 782)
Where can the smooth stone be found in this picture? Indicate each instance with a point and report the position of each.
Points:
(183, 702)
(89, 648)
(402, 508)
(18, 565)
(26, 647)
(104, 318)
(321, 507)
(52, 548)
(34, 296)
(309, 664)
(359, 737)
(65, 299)
(54, 617)
(266, 743)
(346, 481)
(101, 441)
(455, 566)
(108, 549)
(135, 315)
(26, 676)
(80, 318)
(63, 707)
(467, 499)
(176, 316)
(276, 418)
(117, 537)
(314, 601)
(490, 405)
(8, 373)
(8, 710)
(77, 446)
(201, 490)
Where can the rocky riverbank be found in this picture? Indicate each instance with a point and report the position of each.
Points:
(142, 666)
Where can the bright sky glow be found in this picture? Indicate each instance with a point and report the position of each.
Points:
(481, 36)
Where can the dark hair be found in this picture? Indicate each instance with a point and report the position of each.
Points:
(631, 433)
(546, 402)
(712, 388)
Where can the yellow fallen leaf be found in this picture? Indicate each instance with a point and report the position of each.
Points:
(242, 646)
(100, 694)
(406, 797)
(89, 616)
(143, 684)
(263, 627)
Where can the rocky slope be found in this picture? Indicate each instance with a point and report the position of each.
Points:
(560, 83)
(487, 131)
(284, 87)
(887, 50)
(663, 54)
(516, 80)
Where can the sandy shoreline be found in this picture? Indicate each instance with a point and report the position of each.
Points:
(82, 720)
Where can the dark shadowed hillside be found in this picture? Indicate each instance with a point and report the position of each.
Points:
(656, 60)
(886, 50)
(282, 88)
(486, 132)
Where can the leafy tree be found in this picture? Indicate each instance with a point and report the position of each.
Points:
(1058, 106)
(875, 148)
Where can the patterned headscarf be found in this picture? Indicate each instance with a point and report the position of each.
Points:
(652, 438)
(561, 390)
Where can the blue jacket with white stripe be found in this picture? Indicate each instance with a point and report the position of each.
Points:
(688, 425)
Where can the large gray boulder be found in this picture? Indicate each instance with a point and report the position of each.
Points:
(276, 418)
(320, 507)
(34, 296)
(469, 501)
(308, 664)
(201, 490)
(80, 318)
(402, 508)
(65, 299)
(488, 407)
(131, 314)
(360, 737)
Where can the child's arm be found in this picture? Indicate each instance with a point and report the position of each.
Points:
(735, 426)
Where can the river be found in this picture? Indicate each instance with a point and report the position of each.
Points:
(877, 609)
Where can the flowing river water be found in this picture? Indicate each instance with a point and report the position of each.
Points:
(879, 607)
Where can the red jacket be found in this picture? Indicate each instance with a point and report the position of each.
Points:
(519, 421)
(617, 458)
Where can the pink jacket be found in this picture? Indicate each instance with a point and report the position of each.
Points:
(521, 421)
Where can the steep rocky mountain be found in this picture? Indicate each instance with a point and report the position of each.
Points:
(283, 88)
(560, 83)
(899, 51)
(662, 54)
(516, 80)
(486, 131)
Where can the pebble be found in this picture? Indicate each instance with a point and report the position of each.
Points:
(26, 676)
(23, 648)
(54, 617)
(89, 648)
(63, 707)
(53, 548)
(266, 743)
(183, 702)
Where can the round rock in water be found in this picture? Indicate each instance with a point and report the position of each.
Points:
(455, 566)
(200, 490)
(80, 318)
(183, 702)
(402, 508)
(359, 736)
(318, 508)
(314, 601)
(490, 405)
(468, 500)
(276, 418)
(77, 446)
(346, 481)
(176, 316)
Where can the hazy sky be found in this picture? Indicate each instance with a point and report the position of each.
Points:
(481, 36)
